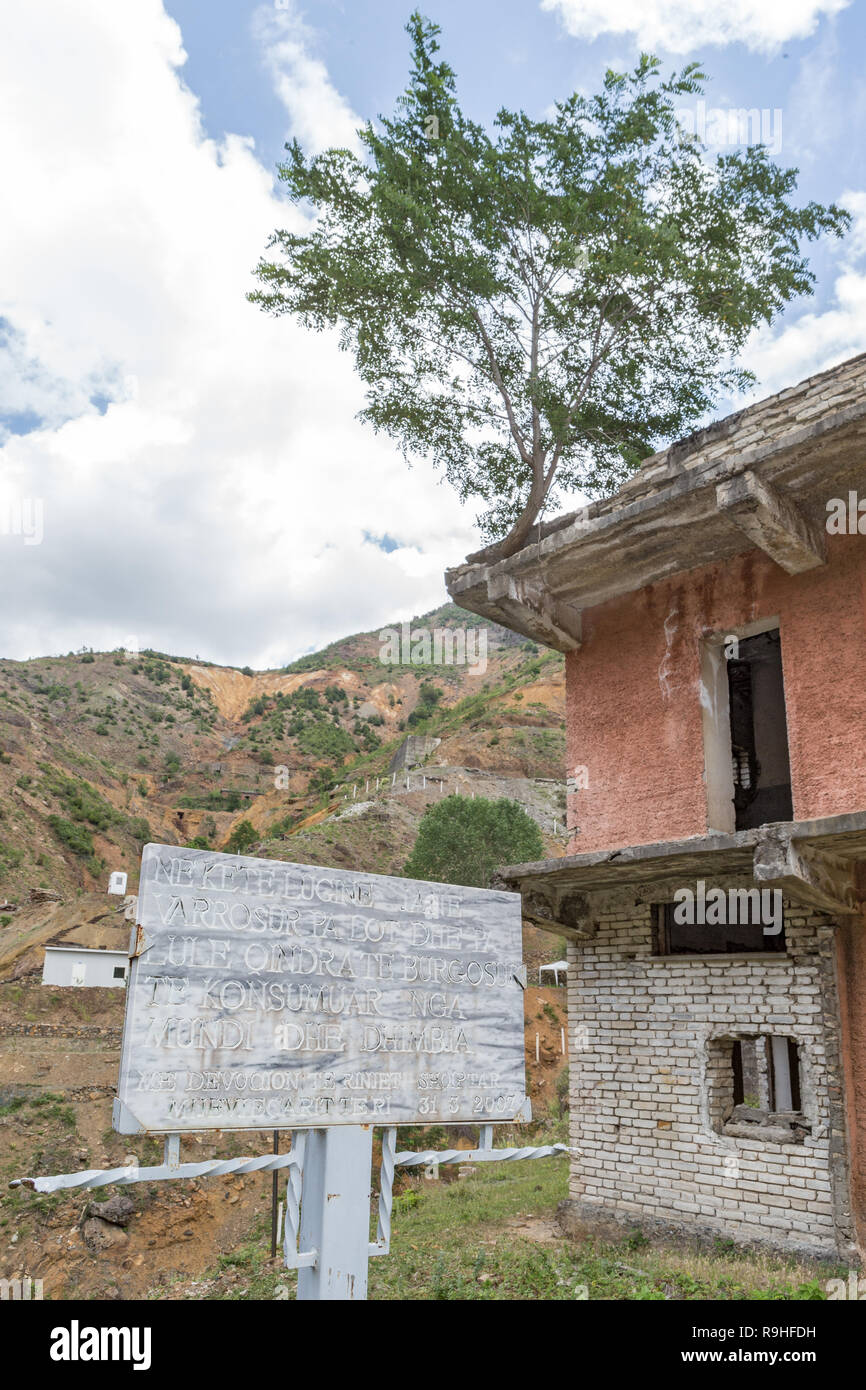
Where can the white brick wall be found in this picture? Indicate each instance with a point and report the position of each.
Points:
(640, 1080)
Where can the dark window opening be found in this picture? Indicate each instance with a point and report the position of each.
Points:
(759, 733)
(672, 938)
(119, 972)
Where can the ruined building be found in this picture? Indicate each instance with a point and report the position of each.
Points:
(713, 616)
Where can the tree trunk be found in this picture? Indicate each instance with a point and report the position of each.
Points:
(519, 533)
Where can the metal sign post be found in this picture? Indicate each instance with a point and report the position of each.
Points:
(335, 1212)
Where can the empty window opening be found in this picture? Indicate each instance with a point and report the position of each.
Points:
(672, 938)
(755, 1089)
(759, 733)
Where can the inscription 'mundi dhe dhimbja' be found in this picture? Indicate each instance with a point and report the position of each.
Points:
(265, 995)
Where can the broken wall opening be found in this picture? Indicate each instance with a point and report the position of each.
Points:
(755, 1088)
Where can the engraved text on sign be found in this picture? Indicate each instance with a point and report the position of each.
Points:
(267, 995)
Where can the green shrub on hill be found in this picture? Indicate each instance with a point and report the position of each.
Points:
(325, 741)
(80, 801)
(73, 836)
(429, 697)
(465, 841)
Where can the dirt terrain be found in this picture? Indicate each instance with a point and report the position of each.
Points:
(101, 752)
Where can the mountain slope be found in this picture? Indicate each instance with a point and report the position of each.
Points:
(100, 752)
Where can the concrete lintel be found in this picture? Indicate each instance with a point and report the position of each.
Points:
(772, 522)
(528, 609)
(841, 838)
(806, 874)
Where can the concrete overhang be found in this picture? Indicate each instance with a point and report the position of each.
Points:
(761, 478)
(812, 862)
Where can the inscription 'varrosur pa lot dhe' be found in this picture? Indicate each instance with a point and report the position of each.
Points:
(265, 995)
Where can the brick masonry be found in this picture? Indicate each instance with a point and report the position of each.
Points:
(649, 1042)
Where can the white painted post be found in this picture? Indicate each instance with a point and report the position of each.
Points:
(354, 791)
(335, 1212)
(537, 1049)
(562, 1040)
(393, 779)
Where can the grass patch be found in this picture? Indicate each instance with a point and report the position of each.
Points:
(466, 1240)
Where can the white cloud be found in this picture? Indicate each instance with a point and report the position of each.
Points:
(318, 115)
(219, 504)
(680, 26)
(818, 339)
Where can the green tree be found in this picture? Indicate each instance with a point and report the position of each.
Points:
(465, 840)
(243, 835)
(537, 310)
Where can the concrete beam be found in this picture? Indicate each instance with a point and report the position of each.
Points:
(529, 609)
(772, 522)
(808, 875)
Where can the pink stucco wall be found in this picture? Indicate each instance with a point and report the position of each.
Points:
(633, 694)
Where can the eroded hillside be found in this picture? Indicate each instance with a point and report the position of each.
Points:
(100, 752)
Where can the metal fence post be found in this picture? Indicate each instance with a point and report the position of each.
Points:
(335, 1212)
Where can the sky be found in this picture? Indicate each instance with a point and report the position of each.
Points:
(177, 469)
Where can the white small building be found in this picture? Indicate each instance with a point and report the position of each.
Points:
(78, 965)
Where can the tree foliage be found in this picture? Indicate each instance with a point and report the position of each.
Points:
(465, 840)
(536, 310)
(243, 835)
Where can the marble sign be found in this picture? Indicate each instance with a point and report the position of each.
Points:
(266, 995)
